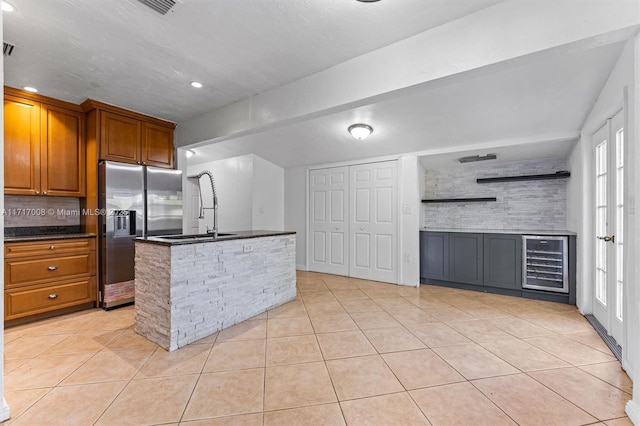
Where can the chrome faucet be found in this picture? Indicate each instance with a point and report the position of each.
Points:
(213, 230)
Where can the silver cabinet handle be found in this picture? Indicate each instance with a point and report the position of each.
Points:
(52, 247)
(45, 192)
(52, 296)
(37, 192)
(52, 268)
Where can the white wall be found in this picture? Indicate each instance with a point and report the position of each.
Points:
(409, 181)
(268, 195)
(624, 77)
(245, 186)
(295, 210)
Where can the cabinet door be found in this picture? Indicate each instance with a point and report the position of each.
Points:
(63, 155)
(503, 261)
(434, 255)
(119, 138)
(465, 258)
(157, 145)
(21, 146)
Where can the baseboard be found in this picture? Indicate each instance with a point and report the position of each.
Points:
(633, 411)
(5, 412)
(301, 268)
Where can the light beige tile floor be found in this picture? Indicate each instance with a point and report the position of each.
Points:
(346, 351)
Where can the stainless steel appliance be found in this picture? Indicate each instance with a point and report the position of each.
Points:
(545, 263)
(135, 201)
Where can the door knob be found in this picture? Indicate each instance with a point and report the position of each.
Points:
(607, 238)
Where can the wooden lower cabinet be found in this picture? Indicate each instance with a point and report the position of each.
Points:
(47, 276)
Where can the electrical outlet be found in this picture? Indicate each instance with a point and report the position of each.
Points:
(248, 248)
(406, 257)
(406, 209)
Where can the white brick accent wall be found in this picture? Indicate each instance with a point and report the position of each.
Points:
(186, 292)
(525, 205)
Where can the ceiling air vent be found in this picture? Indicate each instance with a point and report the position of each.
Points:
(160, 6)
(7, 48)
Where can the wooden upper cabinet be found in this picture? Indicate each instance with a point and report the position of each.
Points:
(119, 138)
(21, 146)
(63, 142)
(44, 146)
(157, 145)
(129, 137)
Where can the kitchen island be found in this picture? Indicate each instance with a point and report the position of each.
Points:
(189, 287)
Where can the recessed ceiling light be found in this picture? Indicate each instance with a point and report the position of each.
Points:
(360, 131)
(7, 7)
(30, 89)
(190, 153)
(196, 84)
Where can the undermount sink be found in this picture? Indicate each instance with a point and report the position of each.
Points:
(194, 236)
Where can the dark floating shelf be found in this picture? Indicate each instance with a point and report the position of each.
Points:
(459, 200)
(556, 175)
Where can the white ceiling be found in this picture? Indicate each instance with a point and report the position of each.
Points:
(542, 99)
(124, 53)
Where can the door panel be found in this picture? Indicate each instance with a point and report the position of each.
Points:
(319, 247)
(21, 146)
(609, 217)
(374, 251)
(328, 224)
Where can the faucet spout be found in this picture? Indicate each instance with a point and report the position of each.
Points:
(213, 230)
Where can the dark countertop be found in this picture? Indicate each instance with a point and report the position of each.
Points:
(47, 237)
(166, 240)
(502, 231)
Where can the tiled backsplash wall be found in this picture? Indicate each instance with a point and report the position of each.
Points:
(25, 210)
(534, 205)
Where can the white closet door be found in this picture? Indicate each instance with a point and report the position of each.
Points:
(328, 221)
(373, 224)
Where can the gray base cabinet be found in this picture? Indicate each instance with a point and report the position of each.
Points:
(484, 262)
(466, 258)
(503, 261)
(434, 256)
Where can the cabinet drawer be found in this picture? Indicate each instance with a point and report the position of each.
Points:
(32, 271)
(32, 300)
(48, 247)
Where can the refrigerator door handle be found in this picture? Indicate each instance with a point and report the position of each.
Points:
(132, 222)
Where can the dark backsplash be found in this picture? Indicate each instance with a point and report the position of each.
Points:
(24, 231)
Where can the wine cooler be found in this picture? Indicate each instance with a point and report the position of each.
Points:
(545, 263)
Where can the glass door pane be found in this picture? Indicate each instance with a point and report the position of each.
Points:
(619, 222)
(601, 221)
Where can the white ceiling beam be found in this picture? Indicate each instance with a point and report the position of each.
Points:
(504, 34)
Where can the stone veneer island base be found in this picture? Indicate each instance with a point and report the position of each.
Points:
(188, 289)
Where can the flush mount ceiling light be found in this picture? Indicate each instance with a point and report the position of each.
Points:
(196, 84)
(30, 89)
(360, 131)
(368, 1)
(190, 153)
(477, 158)
(7, 7)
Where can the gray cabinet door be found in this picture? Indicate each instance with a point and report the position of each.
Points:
(465, 258)
(434, 255)
(503, 261)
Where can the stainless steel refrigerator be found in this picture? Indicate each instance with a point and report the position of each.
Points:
(136, 201)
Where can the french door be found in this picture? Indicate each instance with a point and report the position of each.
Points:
(608, 145)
